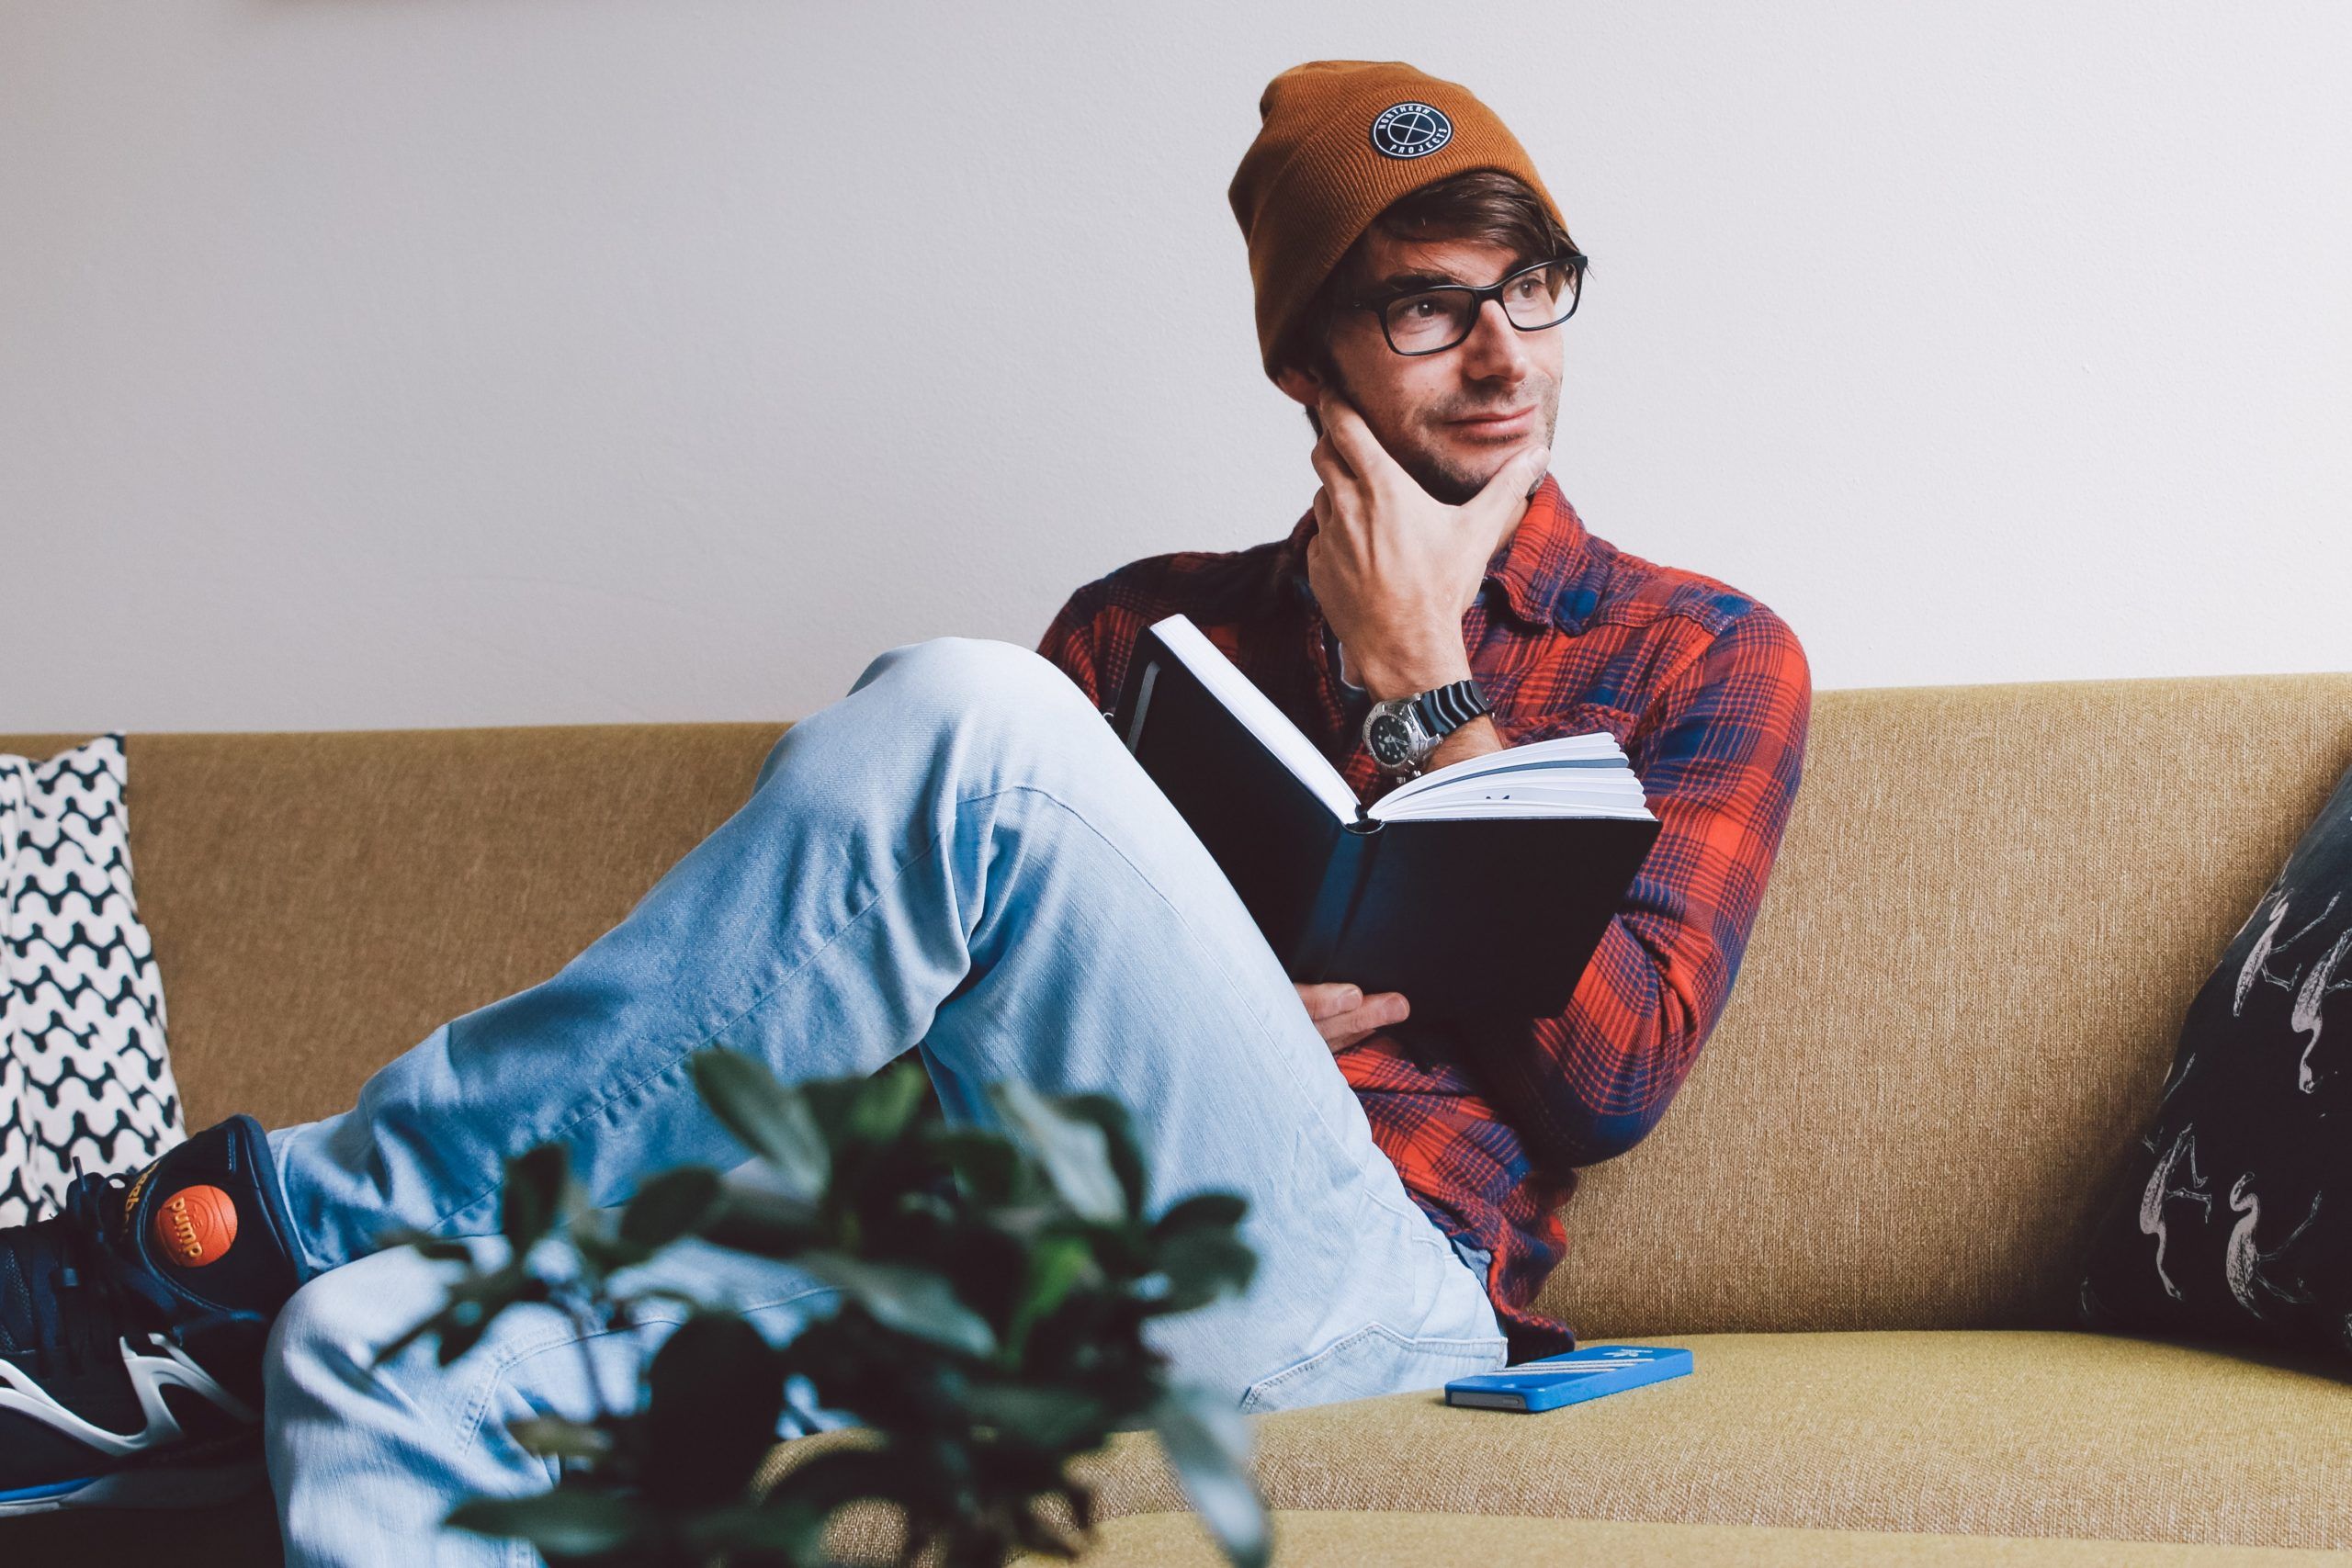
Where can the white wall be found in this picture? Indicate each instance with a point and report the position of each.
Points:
(415, 362)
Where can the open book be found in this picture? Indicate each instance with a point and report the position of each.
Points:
(1478, 890)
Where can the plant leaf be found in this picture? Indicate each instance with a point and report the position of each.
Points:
(671, 1205)
(826, 1480)
(790, 1530)
(907, 1299)
(553, 1437)
(472, 1302)
(1208, 1445)
(1119, 1145)
(1047, 1417)
(534, 1184)
(1203, 1211)
(441, 1250)
(754, 1219)
(988, 1164)
(1072, 1151)
(1055, 1267)
(567, 1522)
(476, 1303)
(716, 1391)
(772, 1119)
(1203, 1265)
(886, 1103)
(605, 1253)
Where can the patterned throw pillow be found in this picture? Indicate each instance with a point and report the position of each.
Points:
(83, 1077)
(2235, 1219)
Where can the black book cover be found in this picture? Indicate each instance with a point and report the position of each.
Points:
(1476, 918)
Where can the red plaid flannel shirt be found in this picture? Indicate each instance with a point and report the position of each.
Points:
(1707, 691)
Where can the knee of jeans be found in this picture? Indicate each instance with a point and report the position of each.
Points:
(339, 1320)
(968, 679)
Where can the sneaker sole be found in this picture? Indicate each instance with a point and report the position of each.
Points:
(155, 1486)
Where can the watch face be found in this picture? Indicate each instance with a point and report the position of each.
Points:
(1391, 741)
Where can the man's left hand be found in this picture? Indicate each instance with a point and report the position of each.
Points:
(1344, 1016)
(1394, 569)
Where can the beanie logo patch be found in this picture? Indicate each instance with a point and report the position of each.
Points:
(1410, 131)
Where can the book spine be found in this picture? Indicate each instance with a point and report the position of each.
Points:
(1344, 876)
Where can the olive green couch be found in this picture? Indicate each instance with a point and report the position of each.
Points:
(1863, 1214)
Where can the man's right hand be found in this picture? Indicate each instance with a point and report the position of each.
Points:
(1345, 1016)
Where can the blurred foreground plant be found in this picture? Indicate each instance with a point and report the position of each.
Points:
(994, 1286)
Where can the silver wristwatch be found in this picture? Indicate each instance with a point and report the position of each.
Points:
(1401, 732)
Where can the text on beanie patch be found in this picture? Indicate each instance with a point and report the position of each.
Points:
(1410, 131)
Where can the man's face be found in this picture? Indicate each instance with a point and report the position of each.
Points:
(1423, 407)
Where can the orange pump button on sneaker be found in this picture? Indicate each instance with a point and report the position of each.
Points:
(195, 1225)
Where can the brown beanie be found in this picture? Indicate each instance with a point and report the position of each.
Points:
(1340, 140)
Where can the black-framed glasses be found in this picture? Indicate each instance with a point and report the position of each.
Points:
(1432, 318)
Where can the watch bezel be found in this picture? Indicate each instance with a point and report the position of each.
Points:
(1426, 736)
(1421, 741)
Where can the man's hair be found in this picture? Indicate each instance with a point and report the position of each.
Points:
(1481, 205)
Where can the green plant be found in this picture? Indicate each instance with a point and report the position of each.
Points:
(994, 1287)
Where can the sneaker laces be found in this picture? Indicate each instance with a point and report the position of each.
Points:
(84, 1280)
(67, 1293)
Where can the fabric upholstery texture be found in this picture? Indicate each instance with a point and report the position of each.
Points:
(1991, 909)
(1416, 1540)
(320, 901)
(2006, 1433)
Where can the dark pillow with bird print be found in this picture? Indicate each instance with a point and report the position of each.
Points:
(2234, 1218)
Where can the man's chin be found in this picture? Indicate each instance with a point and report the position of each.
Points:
(1446, 485)
(1456, 481)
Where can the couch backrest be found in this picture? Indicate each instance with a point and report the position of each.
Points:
(1992, 905)
(1991, 909)
(320, 902)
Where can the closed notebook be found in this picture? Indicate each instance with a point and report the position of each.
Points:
(1479, 890)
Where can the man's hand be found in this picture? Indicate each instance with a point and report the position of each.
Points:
(1393, 567)
(1345, 1016)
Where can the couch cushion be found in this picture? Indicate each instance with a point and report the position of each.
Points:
(1998, 1433)
(1416, 1540)
(2071, 1440)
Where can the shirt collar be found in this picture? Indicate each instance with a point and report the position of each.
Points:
(1533, 568)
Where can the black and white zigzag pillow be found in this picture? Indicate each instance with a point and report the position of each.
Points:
(85, 1081)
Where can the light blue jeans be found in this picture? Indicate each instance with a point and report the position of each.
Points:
(959, 855)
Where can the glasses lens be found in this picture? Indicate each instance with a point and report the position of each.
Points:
(1420, 322)
(1541, 296)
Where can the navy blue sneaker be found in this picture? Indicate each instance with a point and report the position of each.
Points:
(132, 1329)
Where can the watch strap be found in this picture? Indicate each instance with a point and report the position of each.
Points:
(1444, 710)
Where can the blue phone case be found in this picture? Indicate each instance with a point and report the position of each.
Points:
(1571, 1379)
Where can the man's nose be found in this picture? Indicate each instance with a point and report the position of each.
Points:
(1493, 348)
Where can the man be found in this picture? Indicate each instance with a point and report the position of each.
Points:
(960, 856)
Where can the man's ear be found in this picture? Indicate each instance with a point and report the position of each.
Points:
(1302, 386)
(1305, 389)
